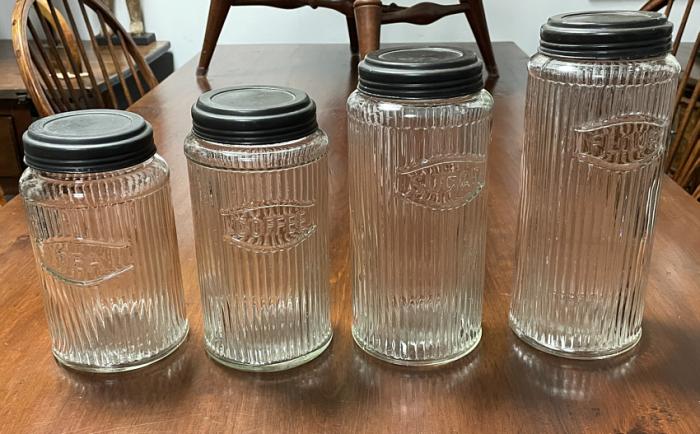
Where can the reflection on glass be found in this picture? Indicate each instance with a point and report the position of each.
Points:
(408, 388)
(569, 379)
(168, 380)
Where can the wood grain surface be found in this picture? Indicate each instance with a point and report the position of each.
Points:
(503, 386)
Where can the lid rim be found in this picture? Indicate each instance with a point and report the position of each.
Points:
(418, 94)
(86, 141)
(253, 115)
(420, 72)
(606, 35)
(107, 166)
(254, 136)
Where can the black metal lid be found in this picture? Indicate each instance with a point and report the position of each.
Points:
(420, 72)
(88, 141)
(253, 115)
(607, 35)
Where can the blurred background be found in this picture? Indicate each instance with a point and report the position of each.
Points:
(182, 22)
(74, 67)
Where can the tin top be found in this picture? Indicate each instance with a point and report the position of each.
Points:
(253, 115)
(607, 35)
(420, 72)
(88, 141)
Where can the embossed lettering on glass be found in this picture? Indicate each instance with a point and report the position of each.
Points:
(269, 226)
(620, 143)
(419, 127)
(599, 104)
(103, 231)
(444, 182)
(259, 187)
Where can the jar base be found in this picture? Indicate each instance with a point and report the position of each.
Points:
(417, 363)
(273, 367)
(125, 367)
(575, 355)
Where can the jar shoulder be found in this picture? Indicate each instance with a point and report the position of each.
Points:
(481, 99)
(92, 189)
(623, 72)
(256, 157)
(450, 112)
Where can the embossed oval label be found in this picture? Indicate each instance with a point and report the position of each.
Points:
(269, 227)
(85, 262)
(623, 143)
(442, 183)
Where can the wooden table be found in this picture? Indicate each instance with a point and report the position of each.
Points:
(503, 386)
(16, 109)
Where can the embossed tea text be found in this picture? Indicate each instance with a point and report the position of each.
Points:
(85, 262)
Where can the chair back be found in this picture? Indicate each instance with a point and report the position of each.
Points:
(74, 54)
(683, 158)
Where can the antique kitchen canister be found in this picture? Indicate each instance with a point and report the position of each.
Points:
(419, 126)
(259, 185)
(599, 104)
(103, 232)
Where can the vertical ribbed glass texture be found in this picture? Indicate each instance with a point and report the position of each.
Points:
(260, 220)
(418, 220)
(595, 136)
(106, 248)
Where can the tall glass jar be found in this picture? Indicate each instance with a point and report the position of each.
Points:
(419, 129)
(103, 231)
(259, 185)
(599, 105)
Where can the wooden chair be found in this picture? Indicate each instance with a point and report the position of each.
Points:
(371, 14)
(2, 197)
(683, 158)
(364, 19)
(63, 72)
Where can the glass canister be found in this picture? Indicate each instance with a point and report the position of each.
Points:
(259, 185)
(103, 232)
(419, 129)
(599, 104)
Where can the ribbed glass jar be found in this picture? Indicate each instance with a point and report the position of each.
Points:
(418, 220)
(106, 249)
(595, 137)
(261, 232)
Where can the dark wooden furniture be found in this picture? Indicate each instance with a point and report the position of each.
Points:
(15, 117)
(364, 19)
(218, 11)
(371, 14)
(683, 157)
(17, 109)
(57, 69)
(503, 386)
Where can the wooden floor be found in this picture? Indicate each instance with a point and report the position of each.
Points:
(503, 386)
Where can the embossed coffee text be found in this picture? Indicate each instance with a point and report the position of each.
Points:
(269, 227)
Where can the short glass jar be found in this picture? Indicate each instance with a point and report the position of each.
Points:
(599, 105)
(259, 186)
(103, 231)
(419, 129)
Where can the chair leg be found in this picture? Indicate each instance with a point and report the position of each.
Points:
(352, 33)
(477, 21)
(218, 10)
(368, 17)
